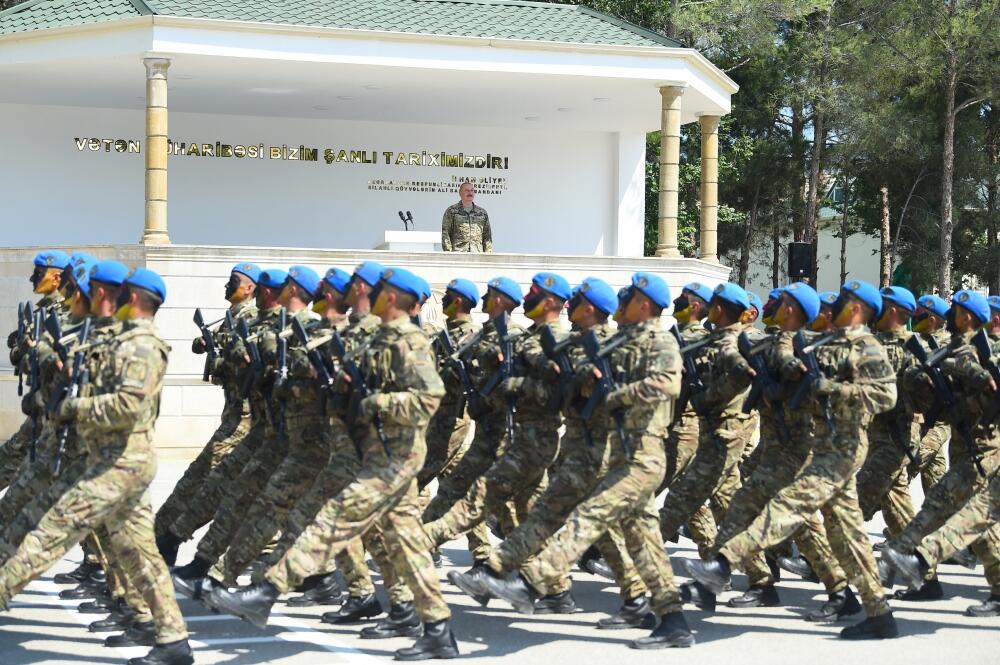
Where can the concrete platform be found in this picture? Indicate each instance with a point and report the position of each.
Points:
(42, 630)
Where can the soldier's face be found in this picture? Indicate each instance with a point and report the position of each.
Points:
(45, 280)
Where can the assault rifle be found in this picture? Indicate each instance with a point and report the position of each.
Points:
(456, 361)
(944, 398)
(282, 347)
(984, 352)
(763, 383)
(359, 388)
(80, 376)
(598, 356)
(323, 371)
(23, 319)
(35, 379)
(256, 364)
(211, 352)
(691, 383)
(806, 352)
(557, 352)
(505, 371)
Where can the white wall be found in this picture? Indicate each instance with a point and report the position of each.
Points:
(568, 192)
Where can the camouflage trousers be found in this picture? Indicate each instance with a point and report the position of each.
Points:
(200, 508)
(120, 585)
(113, 493)
(884, 483)
(828, 485)
(33, 478)
(777, 466)
(721, 444)
(14, 451)
(241, 496)
(624, 497)
(945, 499)
(582, 466)
(230, 433)
(681, 445)
(338, 474)
(308, 455)
(978, 521)
(384, 493)
(519, 475)
(932, 461)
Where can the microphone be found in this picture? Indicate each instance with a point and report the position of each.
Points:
(404, 220)
(409, 216)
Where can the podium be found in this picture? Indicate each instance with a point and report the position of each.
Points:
(411, 241)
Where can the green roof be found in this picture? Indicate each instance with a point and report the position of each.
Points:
(490, 19)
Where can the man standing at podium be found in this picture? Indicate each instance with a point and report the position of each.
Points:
(465, 226)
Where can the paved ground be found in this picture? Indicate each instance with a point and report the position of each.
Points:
(41, 629)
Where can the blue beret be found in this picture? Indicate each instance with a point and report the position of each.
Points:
(250, 270)
(305, 277)
(864, 292)
(465, 288)
(653, 287)
(339, 279)
(623, 292)
(81, 276)
(144, 278)
(273, 278)
(974, 302)
(599, 294)
(827, 298)
(79, 258)
(703, 291)
(404, 280)
(425, 289)
(508, 287)
(552, 283)
(774, 293)
(994, 303)
(900, 296)
(370, 272)
(732, 294)
(52, 258)
(755, 301)
(806, 297)
(109, 272)
(934, 304)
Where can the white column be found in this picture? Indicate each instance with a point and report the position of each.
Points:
(709, 187)
(670, 155)
(155, 230)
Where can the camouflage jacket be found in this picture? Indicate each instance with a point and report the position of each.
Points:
(453, 401)
(466, 230)
(301, 394)
(536, 379)
(574, 400)
(360, 329)
(484, 363)
(861, 379)
(896, 424)
(725, 373)
(259, 379)
(125, 388)
(19, 351)
(227, 372)
(970, 382)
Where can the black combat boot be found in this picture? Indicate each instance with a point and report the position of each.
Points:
(95, 586)
(988, 608)
(203, 592)
(634, 613)
(838, 605)
(886, 573)
(327, 592)
(930, 590)
(357, 608)
(698, 595)
(556, 603)
(600, 568)
(772, 565)
(252, 603)
(168, 544)
(965, 558)
(912, 567)
(100, 605)
(120, 618)
(436, 642)
(401, 622)
(472, 583)
(198, 567)
(310, 583)
(136, 635)
(757, 596)
(713, 574)
(592, 554)
(882, 627)
(673, 631)
(515, 590)
(798, 566)
(77, 575)
(175, 653)
(436, 558)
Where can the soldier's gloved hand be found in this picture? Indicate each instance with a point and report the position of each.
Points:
(12, 340)
(198, 345)
(618, 399)
(29, 404)
(368, 409)
(981, 381)
(825, 387)
(513, 386)
(67, 410)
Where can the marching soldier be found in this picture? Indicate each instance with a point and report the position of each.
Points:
(931, 463)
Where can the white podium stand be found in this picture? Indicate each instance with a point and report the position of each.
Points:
(411, 241)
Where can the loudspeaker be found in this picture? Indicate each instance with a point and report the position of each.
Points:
(800, 260)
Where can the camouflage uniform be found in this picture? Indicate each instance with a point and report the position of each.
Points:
(466, 230)
(883, 482)
(647, 368)
(116, 424)
(723, 430)
(399, 360)
(970, 384)
(231, 431)
(519, 474)
(778, 462)
(932, 460)
(862, 382)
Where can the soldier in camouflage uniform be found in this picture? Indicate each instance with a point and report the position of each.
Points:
(519, 474)
(465, 226)
(235, 410)
(116, 423)
(647, 372)
(400, 361)
(857, 382)
(931, 463)
(974, 451)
